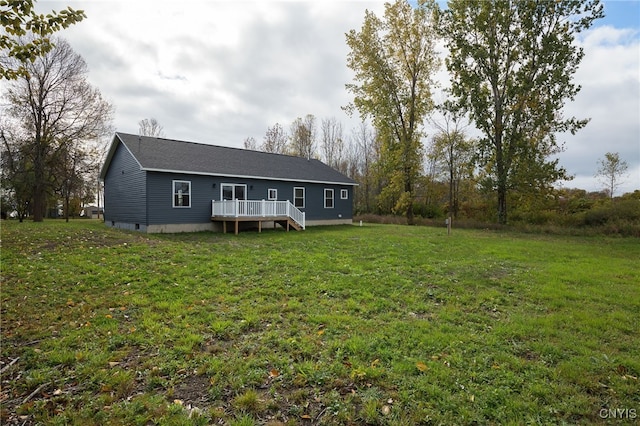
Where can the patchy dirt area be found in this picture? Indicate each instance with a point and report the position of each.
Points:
(193, 391)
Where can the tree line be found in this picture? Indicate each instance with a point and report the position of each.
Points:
(511, 67)
(450, 183)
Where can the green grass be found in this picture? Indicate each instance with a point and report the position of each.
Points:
(380, 324)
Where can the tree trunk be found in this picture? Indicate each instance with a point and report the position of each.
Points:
(39, 202)
(410, 213)
(456, 191)
(66, 208)
(452, 211)
(408, 187)
(39, 190)
(501, 172)
(502, 203)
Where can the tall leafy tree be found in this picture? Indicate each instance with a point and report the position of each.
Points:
(55, 106)
(394, 60)
(611, 171)
(18, 19)
(511, 64)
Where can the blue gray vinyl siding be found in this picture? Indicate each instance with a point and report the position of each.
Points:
(125, 190)
(160, 208)
(314, 196)
(204, 189)
(314, 203)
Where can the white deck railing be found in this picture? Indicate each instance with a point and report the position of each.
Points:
(257, 209)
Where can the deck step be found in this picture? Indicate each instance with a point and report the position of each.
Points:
(289, 223)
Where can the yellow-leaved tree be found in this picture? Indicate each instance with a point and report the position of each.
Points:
(394, 60)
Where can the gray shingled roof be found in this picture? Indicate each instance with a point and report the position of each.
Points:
(167, 155)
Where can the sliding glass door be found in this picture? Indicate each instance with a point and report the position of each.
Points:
(233, 191)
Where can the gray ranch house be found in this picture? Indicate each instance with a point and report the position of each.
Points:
(163, 185)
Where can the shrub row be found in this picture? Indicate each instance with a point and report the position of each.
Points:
(621, 217)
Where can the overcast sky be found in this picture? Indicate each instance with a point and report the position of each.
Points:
(221, 71)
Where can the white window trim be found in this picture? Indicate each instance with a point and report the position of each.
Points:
(269, 197)
(332, 198)
(173, 194)
(344, 194)
(304, 196)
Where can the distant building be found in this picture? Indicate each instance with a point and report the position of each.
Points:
(91, 212)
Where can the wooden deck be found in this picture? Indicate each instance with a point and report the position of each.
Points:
(281, 213)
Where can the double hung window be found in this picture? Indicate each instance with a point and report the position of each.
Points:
(298, 197)
(181, 193)
(328, 198)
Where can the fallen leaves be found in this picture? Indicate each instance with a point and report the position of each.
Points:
(273, 373)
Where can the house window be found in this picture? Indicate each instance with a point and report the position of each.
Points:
(298, 197)
(344, 194)
(328, 198)
(273, 194)
(181, 193)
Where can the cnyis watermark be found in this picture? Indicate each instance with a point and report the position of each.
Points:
(618, 413)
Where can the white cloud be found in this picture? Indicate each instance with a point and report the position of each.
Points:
(610, 78)
(219, 71)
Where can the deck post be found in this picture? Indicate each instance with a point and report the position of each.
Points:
(264, 207)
